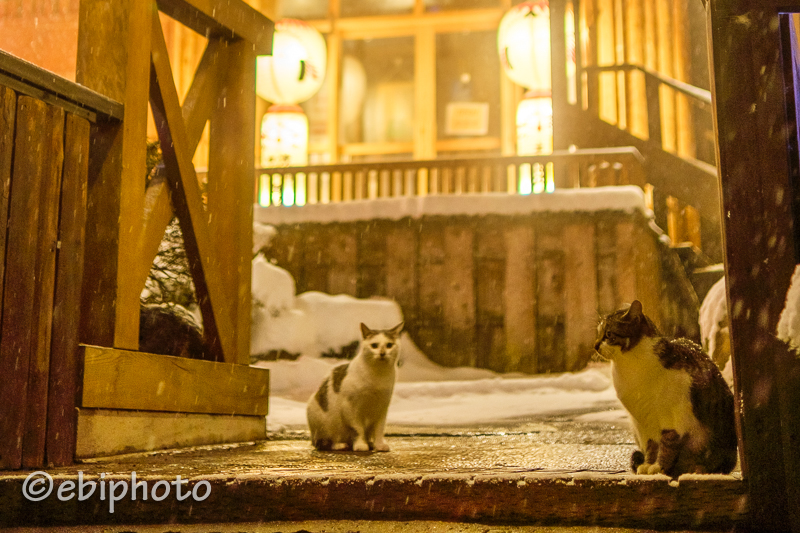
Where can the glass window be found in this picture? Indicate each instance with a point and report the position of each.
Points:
(467, 85)
(377, 91)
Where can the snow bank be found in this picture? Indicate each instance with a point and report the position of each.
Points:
(485, 400)
(336, 318)
(789, 323)
(628, 198)
(311, 323)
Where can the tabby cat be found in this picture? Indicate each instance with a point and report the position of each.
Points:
(348, 412)
(680, 405)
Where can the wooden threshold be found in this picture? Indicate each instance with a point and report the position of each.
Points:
(582, 499)
(122, 379)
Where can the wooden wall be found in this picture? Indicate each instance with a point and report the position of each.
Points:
(43, 177)
(509, 293)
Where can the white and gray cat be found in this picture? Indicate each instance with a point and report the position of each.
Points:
(680, 405)
(348, 412)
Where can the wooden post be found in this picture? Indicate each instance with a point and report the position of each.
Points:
(751, 69)
(114, 60)
(230, 182)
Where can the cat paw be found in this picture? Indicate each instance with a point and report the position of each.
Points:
(381, 447)
(361, 446)
(648, 469)
(340, 447)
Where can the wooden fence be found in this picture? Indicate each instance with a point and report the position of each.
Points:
(44, 157)
(518, 292)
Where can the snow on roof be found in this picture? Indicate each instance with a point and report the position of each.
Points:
(626, 198)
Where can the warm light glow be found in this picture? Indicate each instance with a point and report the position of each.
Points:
(523, 42)
(284, 137)
(535, 126)
(296, 69)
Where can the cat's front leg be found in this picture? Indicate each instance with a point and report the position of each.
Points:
(650, 464)
(669, 449)
(380, 443)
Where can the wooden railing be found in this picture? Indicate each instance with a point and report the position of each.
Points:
(654, 85)
(514, 175)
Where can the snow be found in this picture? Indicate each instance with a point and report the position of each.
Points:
(628, 198)
(310, 323)
(426, 394)
(713, 311)
(789, 323)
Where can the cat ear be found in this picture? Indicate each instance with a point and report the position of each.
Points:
(395, 331)
(635, 310)
(365, 331)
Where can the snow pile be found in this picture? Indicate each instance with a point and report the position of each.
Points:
(627, 198)
(311, 323)
(714, 331)
(789, 323)
(487, 398)
(262, 236)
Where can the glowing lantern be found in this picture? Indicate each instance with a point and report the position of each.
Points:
(296, 69)
(292, 74)
(535, 126)
(523, 42)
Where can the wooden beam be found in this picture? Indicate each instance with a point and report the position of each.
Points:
(231, 182)
(223, 19)
(114, 60)
(105, 432)
(196, 111)
(212, 296)
(120, 379)
(425, 134)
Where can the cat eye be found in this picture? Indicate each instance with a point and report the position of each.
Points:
(374, 344)
(389, 344)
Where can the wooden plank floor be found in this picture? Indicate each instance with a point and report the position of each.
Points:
(532, 476)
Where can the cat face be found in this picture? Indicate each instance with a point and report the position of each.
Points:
(622, 330)
(381, 345)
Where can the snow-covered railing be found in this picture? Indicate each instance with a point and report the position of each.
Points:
(299, 186)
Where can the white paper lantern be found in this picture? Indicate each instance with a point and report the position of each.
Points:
(535, 126)
(296, 69)
(523, 42)
(284, 137)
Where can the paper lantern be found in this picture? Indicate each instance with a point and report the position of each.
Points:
(284, 137)
(523, 42)
(535, 126)
(296, 69)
